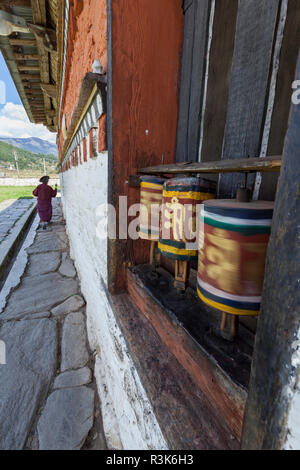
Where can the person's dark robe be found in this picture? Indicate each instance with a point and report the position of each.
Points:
(44, 193)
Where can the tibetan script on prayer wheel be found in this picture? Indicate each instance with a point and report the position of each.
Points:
(181, 197)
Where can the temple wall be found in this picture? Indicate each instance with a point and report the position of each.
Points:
(128, 418)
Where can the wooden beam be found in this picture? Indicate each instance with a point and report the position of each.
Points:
(49, 89)
(271, 413)
(24, 68)
(22, 42)
(24, 76)
(16, 3)
(40, 18)
(50, 112)
(244, 165)
(26, 57)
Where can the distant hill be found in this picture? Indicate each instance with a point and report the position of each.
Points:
(32, 144)
(26, 160)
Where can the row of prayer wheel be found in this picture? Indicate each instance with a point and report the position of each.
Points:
(230, 242)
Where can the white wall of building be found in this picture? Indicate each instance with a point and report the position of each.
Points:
(128, 418)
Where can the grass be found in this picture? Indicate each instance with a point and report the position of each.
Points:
(15, 192)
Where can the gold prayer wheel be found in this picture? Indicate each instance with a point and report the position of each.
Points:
(151, 194)
(231, 261)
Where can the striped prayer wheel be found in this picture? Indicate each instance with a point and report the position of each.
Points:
(151, 193)
(231, 261)
(177, 240)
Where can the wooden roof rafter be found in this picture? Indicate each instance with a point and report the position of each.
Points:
(30, 53)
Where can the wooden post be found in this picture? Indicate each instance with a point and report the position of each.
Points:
(231, 333)
(181, 274)
(274, 384)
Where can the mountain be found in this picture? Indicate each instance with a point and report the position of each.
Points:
(26, 160)
(32, 144)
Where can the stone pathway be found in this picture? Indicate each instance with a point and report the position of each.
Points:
(10, 212)
(48, 397)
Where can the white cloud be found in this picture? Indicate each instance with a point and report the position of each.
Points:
(15, 123)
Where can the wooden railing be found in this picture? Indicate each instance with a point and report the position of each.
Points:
(247, 165)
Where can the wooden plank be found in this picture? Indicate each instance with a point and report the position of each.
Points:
(40, 18)
(16, 3)
(274, 376)
(192, 74)
(219, 72)
(205, 370)
(268, 164)
(286, 74)
(24, 76)
(256, 25)
(49, 89)
(185, 416)
(22, 42)
(26, 57)
(27, 68)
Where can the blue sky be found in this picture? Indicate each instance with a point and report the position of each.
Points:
(11, 92)
(13, 118)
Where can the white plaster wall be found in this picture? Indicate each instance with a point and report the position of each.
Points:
(128, 418)
(293, 396)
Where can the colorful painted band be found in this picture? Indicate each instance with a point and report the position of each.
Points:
(228, 303)
(226, 308)
(238, 225)
(176, 250)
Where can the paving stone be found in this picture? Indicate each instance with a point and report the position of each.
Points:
(43, 263)
(24, 380)
(39, 294)
(67, 266)
(74, 353)
(73, 304)
(73, 378)
(66, 419)
(45, 241)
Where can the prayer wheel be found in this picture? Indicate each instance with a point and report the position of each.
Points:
(177, 240)
(151, 194)
(231, 261)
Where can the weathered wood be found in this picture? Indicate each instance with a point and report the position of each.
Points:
(24, 76)
(49, 89)
(135, 132)
(26, 56)
(256, 25)
(134, 181)
(40, 18)
(16, 3)
(192, 78)
(33, 68)
(273, 371)
(219, 72)
(205, 368)
(22, 42)
(268, 164)
(186, 418)
(286, 74)
(88, 82)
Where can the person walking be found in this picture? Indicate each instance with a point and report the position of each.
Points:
(44, 194)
